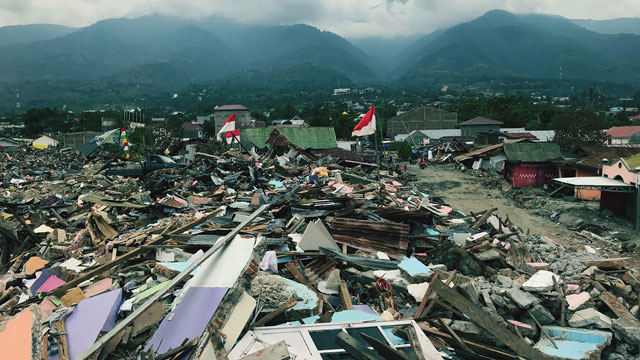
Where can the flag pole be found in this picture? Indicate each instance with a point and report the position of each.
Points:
(377, 153)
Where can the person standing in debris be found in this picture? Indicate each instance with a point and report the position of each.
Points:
(423, 163)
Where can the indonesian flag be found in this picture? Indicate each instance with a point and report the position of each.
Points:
(367, 125)
(228, 125)
(230, 134)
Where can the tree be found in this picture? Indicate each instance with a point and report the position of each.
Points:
(209, 128)
(577, 129)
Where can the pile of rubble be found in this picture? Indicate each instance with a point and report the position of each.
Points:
(287, 254)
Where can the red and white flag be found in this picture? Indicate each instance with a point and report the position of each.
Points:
(228, 125)
(230, 134)
(367, 125)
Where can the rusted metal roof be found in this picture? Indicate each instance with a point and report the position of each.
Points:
(389, 237)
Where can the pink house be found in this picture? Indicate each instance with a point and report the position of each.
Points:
(621, 203)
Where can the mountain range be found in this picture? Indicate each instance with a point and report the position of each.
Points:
(168, 52)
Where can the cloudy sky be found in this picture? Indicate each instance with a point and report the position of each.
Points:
(349, 18)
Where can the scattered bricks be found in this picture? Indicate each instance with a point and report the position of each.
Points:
(542, 314)
(588, 317)
(523, 299)
(540, 281)
(504, 281)
(632, 279)
(533, 267)
(615, 305)
(607, 263)
(576, 301)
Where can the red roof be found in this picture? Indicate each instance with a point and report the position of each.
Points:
(622, 131)
(481, 121)
(235, 107)
(520, 135)
(635, 117)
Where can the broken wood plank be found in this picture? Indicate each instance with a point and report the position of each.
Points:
(563, 303)
(272, 315)
(382, 348)
(435, 298)
(542, 329)
(130, 255)
(456, 338)
(63, 345)
(479, 316)
(355, 348)
(426, 295)
(607, 263)
(482, 349)
(345, 297)
(483, 218)
(415, 343)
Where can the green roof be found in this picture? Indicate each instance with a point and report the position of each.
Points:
(532, 152)
(633, 161)
(305, 137)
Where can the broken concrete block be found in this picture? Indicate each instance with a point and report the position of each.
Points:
(415, 269)
(627, 329)
(614, 305)
(488, 255)
(466, 327)
(504, 281)
(575, 301)
(540, 281)
(467, 288)
(331, 286)
(498, 300)
(418, 290)
(588, 317)
(523, 299)
(542, 314)
(316, 236)
(607, 263)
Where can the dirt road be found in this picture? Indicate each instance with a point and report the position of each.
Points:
(466, 193)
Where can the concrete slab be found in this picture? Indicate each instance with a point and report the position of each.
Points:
(575, 301)
(237, 320)
(540, 281)
(315, 236)
(522, 299)
(588, 317)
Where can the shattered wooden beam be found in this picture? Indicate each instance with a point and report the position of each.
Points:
(124, 257)
(355, 348)
(426, 295)
(435, 298)
(483, 218)
(454, 336)
(345, 297)
(607, 263)
(382, 348)
(275, 313)
(491, 325)
(175, 281)
(415, 343)
(482, 349)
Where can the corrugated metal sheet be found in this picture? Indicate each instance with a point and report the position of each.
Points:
(532, 152)
(304, 137)
(389, 237)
